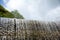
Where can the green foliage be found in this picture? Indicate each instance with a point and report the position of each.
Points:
(17, 14)
(5, 13)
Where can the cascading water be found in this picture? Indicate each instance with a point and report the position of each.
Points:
(20, 29)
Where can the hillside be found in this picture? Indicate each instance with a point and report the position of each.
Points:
(5, 13)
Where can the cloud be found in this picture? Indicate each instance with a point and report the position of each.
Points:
(28, 8)
(36, 9)
(4, 1)
(12, 4)
(54, 14)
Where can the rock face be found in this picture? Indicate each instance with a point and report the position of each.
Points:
(20, 29)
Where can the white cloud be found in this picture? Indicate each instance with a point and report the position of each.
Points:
(14, 4)
(25, 7)
(35, 9)
(31, 8)
(54, 14)
(5, 1)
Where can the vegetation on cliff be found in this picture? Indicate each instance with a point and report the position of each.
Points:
(8, 14)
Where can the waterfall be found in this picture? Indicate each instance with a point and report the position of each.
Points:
(21, 29)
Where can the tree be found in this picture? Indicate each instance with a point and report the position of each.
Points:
(17, 14)
(5, 13)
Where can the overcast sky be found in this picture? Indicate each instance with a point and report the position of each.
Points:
(45, 10)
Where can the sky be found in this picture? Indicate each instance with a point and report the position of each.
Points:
(45, 10)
